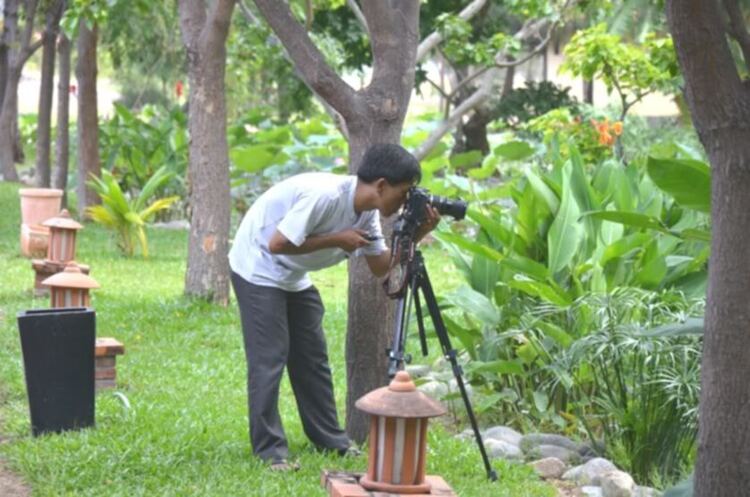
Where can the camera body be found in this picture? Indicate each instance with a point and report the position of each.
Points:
(414, 212)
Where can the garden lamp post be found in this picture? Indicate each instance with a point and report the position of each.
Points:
(70, 288)
(61, 249)
(398, 436)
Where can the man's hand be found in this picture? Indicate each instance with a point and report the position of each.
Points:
(351, 240)
(431, 221)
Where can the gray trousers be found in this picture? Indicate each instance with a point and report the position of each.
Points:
(280, 329)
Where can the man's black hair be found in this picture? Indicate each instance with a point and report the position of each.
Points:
(389, 161)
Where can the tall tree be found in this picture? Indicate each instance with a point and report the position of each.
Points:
(16, 48)
(374, 114)
(44, 115)
(204, 33)
(88, 116)
(62, 137)
(719, 101)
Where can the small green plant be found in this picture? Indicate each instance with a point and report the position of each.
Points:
(125, 216)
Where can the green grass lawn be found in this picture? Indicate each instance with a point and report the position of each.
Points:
(185, 432)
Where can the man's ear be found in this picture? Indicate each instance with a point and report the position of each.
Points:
(379, 185)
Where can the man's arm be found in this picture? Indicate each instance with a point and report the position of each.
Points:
(379, 263)
(348, 240)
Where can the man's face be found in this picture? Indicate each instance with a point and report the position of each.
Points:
(392, 197)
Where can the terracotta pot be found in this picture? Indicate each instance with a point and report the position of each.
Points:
(37, 205)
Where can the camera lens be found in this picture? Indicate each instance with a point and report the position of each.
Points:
(448, 207)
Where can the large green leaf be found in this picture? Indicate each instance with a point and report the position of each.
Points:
(475, 304)
(688, 181)
(497, 230)
(499, 366)
(565, 234)
(473, 247)
(544, 291)
(254, 158)
(633, 219)
(466, 159)
(691, 326)
(514, 150)
(543, 191)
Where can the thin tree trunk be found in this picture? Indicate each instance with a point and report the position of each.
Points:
(62, 139)
(720, 107)
(44, 115)
(8, 124)
(207, 274)
(88, 123)
(588, 91)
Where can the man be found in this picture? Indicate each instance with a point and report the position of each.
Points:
(308, 222)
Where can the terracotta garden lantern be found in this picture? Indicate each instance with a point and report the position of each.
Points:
(398, 436)
(70, 288)
(62, 237)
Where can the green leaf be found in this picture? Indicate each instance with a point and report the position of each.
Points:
(542, 290)
(633, 219)
(499, 366)
(514, 150)
(253, 158)
(473, 247)
(556, 333)
(688, 181)
(476, 304)
(566, 233)
(466, 159)
(691, 326)
(541, 401)
(543, 191)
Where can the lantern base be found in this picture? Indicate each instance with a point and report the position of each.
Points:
(343, 484)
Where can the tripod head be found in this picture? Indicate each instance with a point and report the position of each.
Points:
(403, 238)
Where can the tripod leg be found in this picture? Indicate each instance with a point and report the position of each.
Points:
(396, 352)
(450, 354)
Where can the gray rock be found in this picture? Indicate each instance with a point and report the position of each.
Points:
(646, 492)
(503, 433)
(435, 389)
(590, 491)
(549, 467)
(502, 450)
(617, 484)
(532, 440)
(589, 473)
(417, 370)
(542, 451)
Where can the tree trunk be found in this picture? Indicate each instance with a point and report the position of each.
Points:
(371, 314)
(8, 124)
(588, 91)
(88, 124)
(44, 115)
(720, 105)
(207, 274)
(62, 139)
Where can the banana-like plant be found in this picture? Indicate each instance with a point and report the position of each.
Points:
(127, 217)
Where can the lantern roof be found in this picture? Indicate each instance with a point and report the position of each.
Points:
(62, 221)
(71, 277)
(400, 399)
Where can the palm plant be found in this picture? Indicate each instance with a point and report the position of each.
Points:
(127, 217)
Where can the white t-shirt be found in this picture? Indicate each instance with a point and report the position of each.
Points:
(303, 205)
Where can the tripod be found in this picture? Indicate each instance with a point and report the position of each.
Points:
(418, 281)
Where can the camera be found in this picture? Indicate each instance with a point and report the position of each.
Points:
(418, 198)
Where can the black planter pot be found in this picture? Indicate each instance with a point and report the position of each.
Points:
(58, 358)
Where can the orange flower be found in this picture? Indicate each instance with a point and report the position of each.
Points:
(606, 139)
(617, 128)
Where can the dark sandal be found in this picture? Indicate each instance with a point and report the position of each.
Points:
(282, 466)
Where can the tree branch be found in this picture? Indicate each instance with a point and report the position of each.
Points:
(471, 103)
(359, 15)
(28, 28)
(737, 29)
(308, 60)
(337, 118)
(192, 19)
(503, 62)
(433, 39)
(219, 20)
